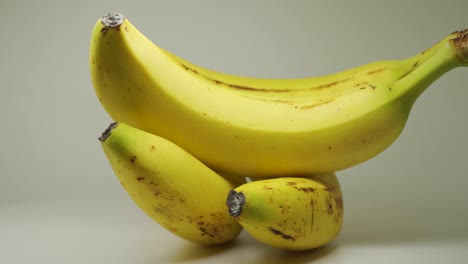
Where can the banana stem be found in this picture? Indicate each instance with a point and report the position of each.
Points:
(112, 20)
(430, 65)
(107, 132)
(460, 44)
(234, 202)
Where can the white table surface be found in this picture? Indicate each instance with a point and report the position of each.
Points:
(97, 232)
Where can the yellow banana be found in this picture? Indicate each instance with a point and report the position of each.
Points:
(262, 127)
(170, 185)
(290, 213)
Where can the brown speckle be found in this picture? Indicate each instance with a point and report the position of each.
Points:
(331, 84)
(461, 45)
(235, 86)
(132, 159)
(330, 207)
(140, 178)
(339, 202)
(306, 189)
(375, 71)
(206, 232)
(317, 104)
(291, 183)
(283, 235)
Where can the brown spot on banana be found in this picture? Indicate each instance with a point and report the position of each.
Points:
(375, 71)
(316, 104)
(460, 43)
(236, 86)
(257, 89)
(187, 68)
(281, 234)
(206, 232)
(364, 85)
(306, 190)
(331, 84)
(329, 207)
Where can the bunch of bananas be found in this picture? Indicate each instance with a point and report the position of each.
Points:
(186, 137)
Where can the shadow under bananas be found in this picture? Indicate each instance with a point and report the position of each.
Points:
(246, 249)
(191, 251)
(277, 256)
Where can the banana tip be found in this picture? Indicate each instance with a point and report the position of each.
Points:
(107, 132)
(234, 202)
(112, 19)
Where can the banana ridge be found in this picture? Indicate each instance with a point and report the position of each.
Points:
(309, 92)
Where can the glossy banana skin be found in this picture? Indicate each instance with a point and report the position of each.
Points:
(290, 213)
(262, 127)
(170, 185)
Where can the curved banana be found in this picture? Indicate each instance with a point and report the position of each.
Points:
(262, 127)
(170, 185)
(290, 213)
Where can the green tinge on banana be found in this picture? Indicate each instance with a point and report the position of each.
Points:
(262, 127)
(290, 213)
(171, 186)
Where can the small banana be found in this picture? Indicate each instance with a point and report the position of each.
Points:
(170, 185)
(290, 213)
(257, 127)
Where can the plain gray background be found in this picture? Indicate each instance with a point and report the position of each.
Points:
(61, 203)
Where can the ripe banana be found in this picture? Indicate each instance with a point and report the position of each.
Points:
(262, 127)
(170, 185)
(290, 213)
